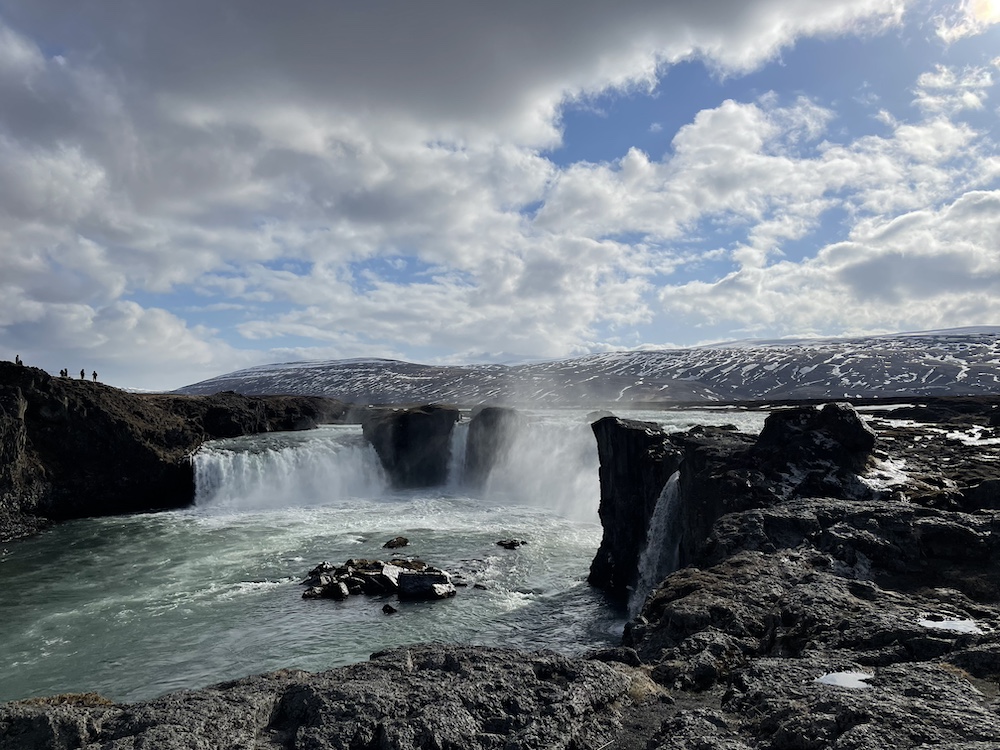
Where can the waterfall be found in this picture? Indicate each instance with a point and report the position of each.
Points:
(661, 555)
(551, 462)
(456, 462)
(280, 470)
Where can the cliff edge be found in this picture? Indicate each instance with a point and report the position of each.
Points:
(73, 448)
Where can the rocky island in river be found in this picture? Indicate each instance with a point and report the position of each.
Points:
(831, 583)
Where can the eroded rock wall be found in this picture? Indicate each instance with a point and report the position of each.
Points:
(414, 445)
(73, 448)
(636, 460)
(838, 600)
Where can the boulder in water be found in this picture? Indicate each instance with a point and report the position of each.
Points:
(396, 543)
(425, 584)
(409, 579)
(511, 543)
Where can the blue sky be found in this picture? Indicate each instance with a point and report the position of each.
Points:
(188, 189)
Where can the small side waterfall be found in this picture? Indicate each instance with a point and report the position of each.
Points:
(663, 541)
(456, 462)
(281, 470)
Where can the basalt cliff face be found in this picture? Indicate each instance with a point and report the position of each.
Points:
(72, 448)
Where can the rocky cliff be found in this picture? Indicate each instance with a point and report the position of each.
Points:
(414, 444)
(72, 448)
(836, 591)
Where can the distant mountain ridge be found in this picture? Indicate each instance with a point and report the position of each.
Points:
(934, 363)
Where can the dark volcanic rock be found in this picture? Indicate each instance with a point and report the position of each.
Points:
(854, 619)
(802, 451)
(427, 584)
(414, 445)
(636, 461)
(405, 699)
(491, 432)
(71, 448)
(805, 436)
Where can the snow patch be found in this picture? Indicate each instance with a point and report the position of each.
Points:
(852, 680)
(954, 626)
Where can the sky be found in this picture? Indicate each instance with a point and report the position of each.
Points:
(191, 188)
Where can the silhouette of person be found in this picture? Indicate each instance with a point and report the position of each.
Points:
(83, 375)
(95, 376)
(17, 360)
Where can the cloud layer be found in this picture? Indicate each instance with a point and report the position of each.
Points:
(187, 188)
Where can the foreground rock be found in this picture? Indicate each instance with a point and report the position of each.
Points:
(405, 699)
(838, 590)
(72, 448)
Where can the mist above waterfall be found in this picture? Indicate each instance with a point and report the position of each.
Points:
(550, 461)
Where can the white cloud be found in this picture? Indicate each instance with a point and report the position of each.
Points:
(947, 91)
(260, 155)
(968, 18)
(924, 269)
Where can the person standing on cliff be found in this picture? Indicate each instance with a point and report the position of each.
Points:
(83, 374)
(95, 376)
(17, 360)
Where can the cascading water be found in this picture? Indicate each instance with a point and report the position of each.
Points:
(260, 472)
(550, 462)
(456, 461)
(661, 555)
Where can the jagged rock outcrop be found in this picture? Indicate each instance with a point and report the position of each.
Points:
(636, 460)
(491, 432)
(405, 699)
(408, 579)
(803, 451)
(414, 445)
(72, 448)
(844, 597)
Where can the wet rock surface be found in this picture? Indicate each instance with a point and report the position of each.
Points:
(405, 578)
(636, 460)
(72, 448)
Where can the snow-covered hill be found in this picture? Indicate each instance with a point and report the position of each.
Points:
(935, 363)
